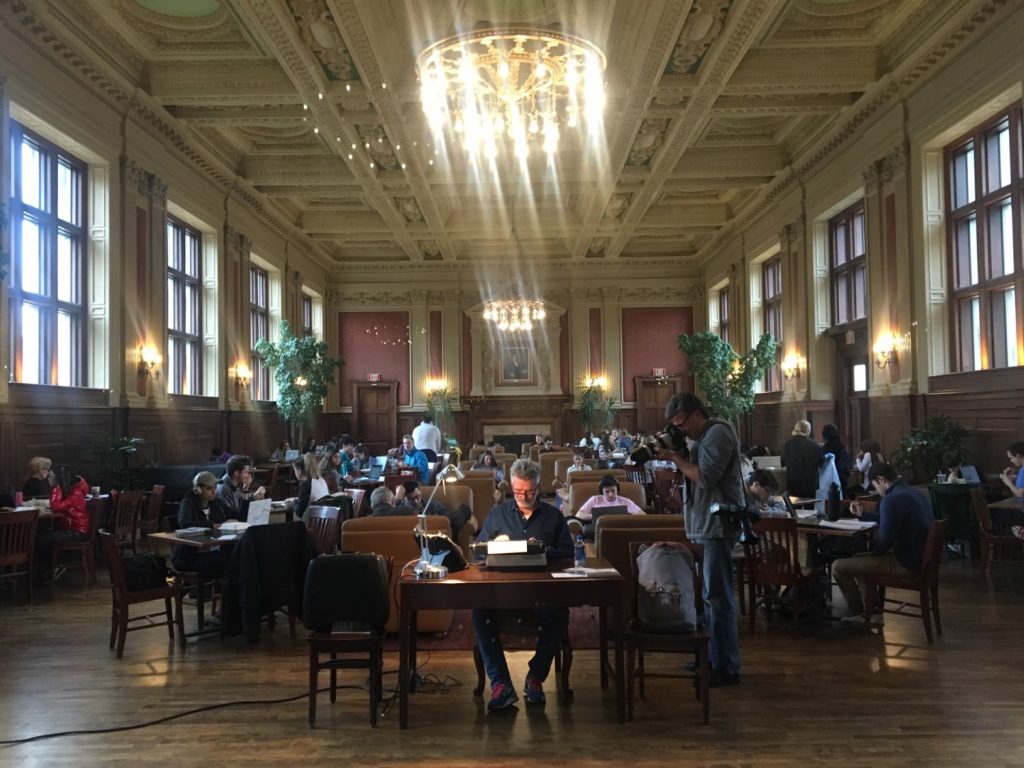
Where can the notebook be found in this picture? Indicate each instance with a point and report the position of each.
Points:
(259, 512)
(599, 512)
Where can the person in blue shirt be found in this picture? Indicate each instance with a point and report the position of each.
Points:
(904, 517)
(412, 457)
(1013, 475)
(524, 516)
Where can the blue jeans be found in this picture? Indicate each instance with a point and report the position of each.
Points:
(720, 605)
(553, 621)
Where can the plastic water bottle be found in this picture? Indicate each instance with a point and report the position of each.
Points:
(580, 553)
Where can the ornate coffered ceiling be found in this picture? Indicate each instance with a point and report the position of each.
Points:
(315, 104)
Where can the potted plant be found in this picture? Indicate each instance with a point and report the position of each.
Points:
(726, 378)
(113, 462)
(918, 456)
(303, 370)
(439, 410)
(596, 410)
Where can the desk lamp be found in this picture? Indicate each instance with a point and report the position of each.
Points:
(429, 566)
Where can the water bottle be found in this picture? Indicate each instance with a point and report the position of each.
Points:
(833, 507)
(580, 553)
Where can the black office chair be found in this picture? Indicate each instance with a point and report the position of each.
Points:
(345, 607)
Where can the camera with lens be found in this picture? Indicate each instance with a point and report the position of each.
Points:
(671, 439)
(743, 517)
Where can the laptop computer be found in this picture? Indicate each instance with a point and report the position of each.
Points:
(372, 476)
(598, 512)
(259, 512)
(969, 473)
(291, 454)
(789, 505)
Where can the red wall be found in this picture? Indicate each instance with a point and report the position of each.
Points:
(649, 340)
(596, 342)
(374, 342)
(434, 362)
(563, 356)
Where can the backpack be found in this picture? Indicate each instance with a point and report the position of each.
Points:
(665, 594)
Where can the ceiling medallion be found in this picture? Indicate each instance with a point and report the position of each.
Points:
(512, 88)
(514, 314)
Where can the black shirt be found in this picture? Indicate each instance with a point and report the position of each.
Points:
(545, 524)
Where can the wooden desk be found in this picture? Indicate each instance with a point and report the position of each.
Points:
(813, 526)
(201, 542)
(1014, 502)
(478, 587)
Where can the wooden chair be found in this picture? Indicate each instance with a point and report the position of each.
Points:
(149, 521)
(17, 544)
(322, 523)
(126, 518)
(668, 500)
(926, 582)
(773, 563)
(86, 548)
(639, 641)
(123, 598)
(993, 544)
(346, 621)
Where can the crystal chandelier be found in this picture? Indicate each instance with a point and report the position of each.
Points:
(514, 314)
(518, 86)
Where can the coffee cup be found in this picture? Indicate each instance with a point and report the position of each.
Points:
(940, 478)
(95, 490)
(19, 498)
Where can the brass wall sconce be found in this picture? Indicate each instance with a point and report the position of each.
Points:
(791, 368)
(243, 377)
(885, 351)
(149, 360)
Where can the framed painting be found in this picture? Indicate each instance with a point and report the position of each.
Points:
(516, 364)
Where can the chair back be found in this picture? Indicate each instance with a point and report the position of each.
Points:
(635, 474)
(322, 524)
(547, 468)
(524, 449)
(17, 539)
(350, 587)
(933, 552)
(466, 465)
(774, 558)
(483, 487)
(452, 495)
(593, 475)
(562, 465)
(126, 517)
(400, 477)
(668, 499)
(475, 451)
(981, 512)
(150, 521)
(583, 490)
(357, 495)
(115, 566)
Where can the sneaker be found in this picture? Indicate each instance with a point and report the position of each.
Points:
(722, 679)
(533, 690)
(502, 697)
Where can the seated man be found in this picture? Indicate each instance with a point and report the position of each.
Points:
(233, 493)
(408, 500)
(548, 446)
(562, 489)
(524, 516)
(608, 496)
(413, 457)
(761, 485)
(905, 515)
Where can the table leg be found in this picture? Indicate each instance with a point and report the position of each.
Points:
(620, 682)
(403, 665)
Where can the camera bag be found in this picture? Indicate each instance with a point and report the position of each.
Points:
(665, 590)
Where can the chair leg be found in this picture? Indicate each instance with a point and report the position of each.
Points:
(113, 626)
(122, 630)
(751, 605)
(179, 619)
(602, 625)
(334, 679)
(704, 684)
(170, 617)
(567, 654)
(374, 692)
(630, 680)
(314, 668)
(89, 565)
(935, 608)
(640, 671)
(200, 604)
(478, 660)
(926, 613)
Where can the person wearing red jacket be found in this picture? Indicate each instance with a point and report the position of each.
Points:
(70, 521)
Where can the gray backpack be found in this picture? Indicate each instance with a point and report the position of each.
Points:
(665, 597)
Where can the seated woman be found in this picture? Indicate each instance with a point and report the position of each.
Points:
(38, 484)
(487, 463)
(71, 517)
(281, 452)
(608, 496)
(312, 487)
(330, 470)
(201, 509)
(869, 455)
(562, 489)
(1013, 475)
(361, 459)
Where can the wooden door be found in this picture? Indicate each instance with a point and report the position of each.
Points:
(375, 415)
(853, 370)
(652, 395)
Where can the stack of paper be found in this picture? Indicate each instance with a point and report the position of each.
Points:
(847, 524)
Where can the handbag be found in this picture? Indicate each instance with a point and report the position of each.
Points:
(144, 571)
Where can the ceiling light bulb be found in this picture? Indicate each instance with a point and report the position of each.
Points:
(540, 70)
(503, 69)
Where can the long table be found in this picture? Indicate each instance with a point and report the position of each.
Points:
(479, 587)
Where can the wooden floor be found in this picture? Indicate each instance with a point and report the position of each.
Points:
(833, 695)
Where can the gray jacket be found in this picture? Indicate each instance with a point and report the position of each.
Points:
(717, 453)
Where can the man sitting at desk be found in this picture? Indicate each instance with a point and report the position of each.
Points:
(233, 492)
(761, 485)
(524, 516)
(607, 496)
(904, 516)
(412, 457)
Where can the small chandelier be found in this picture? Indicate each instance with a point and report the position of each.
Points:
(514, 314)
(520, 86)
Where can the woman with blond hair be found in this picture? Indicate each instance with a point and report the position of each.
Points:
(801, 457)
(38, 484)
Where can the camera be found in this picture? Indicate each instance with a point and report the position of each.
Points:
(671, 439)
(742, 517)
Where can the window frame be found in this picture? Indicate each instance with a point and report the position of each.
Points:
(50, 226)
(259, 314)
(772, 314)
(850, 268)
(181, 280)
(985, 200)
(723, 314)
(306, 314)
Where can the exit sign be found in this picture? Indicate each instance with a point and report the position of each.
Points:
(373, 377)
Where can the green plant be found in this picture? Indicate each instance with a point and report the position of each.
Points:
(439, 409)
(725, 378)
(303, 370)
(113, 462)
(596, 411)
(918, 456)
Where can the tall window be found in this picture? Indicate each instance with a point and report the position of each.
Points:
(771, 291)
(849, 265)
(259, 328)
(48, 241)
(307, 315)
(723, 314)
(984, 187)
(184, 308)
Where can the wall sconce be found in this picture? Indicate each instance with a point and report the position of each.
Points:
(243, 376)
(434, 386)
(149, 359)
(885, 351)
(301, 382)
(596, 382)
(791, 367)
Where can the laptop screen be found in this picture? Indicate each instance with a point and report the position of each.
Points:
(259, 512)
(970, 473)
(291, 454)
(598, 512)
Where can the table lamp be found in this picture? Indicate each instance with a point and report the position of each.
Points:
(430, 565)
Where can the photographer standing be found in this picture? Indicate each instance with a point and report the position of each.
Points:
(713, 475)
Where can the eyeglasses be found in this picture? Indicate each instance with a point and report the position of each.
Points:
(524, 494)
